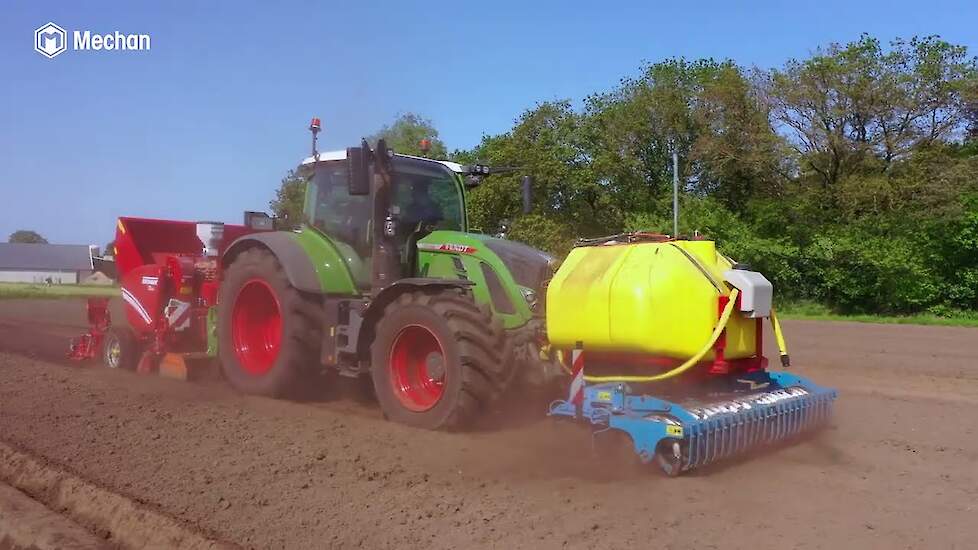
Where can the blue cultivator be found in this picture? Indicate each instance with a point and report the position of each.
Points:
(747, 412)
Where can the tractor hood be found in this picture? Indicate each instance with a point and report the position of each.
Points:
(529, 267)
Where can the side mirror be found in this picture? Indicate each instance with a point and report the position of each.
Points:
(527, 194)
(358, 164)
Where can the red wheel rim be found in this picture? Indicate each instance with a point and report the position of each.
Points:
(256, 327)
(417, 368)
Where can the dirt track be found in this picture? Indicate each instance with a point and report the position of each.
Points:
(899, 467)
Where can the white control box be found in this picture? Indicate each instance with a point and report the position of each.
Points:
(756, 292)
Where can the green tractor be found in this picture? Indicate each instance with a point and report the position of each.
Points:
(384, 279)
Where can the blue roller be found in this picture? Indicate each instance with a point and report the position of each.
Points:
(741, 414)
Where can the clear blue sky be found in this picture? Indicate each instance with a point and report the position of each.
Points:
(205, 124)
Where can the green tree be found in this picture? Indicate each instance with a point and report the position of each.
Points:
(708, 111)
(289, 199)
(860, 107)
(26, 236)
(545, 143)
(406, 133)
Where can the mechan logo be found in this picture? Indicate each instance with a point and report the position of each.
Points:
(50, 40)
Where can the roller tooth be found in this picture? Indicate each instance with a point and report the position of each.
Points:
(748, 427)
(721, 439)
(701, 445)
(755, 428)
(738, 426)
(782, 421)
(789, 420)
(731, 436)
(762, 427)
(712, 442)
(759, 425)
(810, 419)
(706, 443)
(800, 416)
(745, 432)
(792, 419)
(731, 431)
(792, 410)
(738, 434)
(717, 442)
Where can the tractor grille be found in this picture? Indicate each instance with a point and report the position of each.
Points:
(728, 429)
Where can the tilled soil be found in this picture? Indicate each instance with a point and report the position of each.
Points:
(897, 468)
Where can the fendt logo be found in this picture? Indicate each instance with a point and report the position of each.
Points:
(50, 40)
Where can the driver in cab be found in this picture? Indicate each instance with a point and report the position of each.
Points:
(421, 211)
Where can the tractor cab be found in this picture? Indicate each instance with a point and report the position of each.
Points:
(424, 195)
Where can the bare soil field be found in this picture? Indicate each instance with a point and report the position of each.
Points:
(898, 467)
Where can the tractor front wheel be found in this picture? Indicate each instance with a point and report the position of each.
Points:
(267, 329)
(436, 360)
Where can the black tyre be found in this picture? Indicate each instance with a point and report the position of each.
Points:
(120, 349)
(436, 360)
(268, 331)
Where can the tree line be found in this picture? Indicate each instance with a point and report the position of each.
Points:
(849, 177)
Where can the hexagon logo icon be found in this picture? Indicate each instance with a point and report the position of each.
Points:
(50, 40)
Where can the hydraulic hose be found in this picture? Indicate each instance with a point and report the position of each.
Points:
(779, 338)
(724, 318)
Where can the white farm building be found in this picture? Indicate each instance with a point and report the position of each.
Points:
(43, 263)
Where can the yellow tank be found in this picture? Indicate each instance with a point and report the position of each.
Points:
(655, 298)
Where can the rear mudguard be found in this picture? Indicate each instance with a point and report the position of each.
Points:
(311, 261)
(296, 263)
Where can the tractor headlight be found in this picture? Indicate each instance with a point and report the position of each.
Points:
(530, 296)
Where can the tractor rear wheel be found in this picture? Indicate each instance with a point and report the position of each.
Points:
(267, 329)
(435, 360)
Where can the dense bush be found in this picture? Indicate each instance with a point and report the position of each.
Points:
(848, 178)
